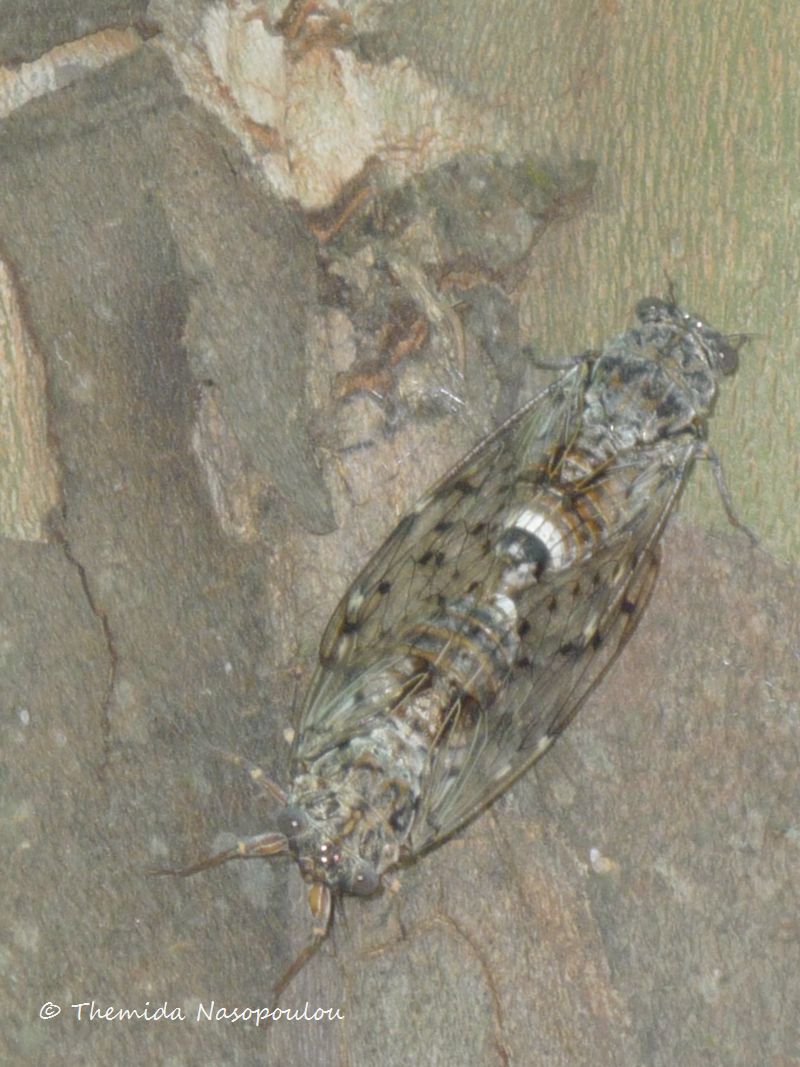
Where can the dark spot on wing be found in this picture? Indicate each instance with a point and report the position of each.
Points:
(384, 587)
(436, 558)
(572, 648)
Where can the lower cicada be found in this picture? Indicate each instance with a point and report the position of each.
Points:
(473, 635)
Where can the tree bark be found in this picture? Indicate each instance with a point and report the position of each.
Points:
(633, 900)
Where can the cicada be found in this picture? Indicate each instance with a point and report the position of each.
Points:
(473, 635)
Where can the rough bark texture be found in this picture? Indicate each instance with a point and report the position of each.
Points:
(633, 901)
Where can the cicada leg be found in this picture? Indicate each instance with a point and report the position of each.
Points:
(262, 846)
(320, 904)
(257, 776)
(705, 452)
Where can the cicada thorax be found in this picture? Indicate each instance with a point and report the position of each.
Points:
(657, 381)
(353, 802)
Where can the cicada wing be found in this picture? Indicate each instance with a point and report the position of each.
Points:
(517, 731)
(431, 553)
(575, 623)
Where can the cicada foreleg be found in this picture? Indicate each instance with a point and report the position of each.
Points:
(260, 779)
(264, 846)
(320, 904)
(705, 452)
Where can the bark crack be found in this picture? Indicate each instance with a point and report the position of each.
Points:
(60, 536)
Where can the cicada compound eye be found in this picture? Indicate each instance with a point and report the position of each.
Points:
(365, 882)
(728, 357)
(654, 309)
(292, 822)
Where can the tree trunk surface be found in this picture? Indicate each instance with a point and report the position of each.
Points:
(180, 516)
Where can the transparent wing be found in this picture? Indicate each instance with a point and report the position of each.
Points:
(575, 623)
(432, 553)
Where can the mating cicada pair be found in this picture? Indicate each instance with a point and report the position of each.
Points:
(475, 632)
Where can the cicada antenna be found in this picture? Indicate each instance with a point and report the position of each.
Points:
(249, 848)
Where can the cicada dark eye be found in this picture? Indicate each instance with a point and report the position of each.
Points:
(364, 883)
(292, 822)
(728, 357)
(653, 309)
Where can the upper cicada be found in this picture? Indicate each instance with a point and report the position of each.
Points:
(472, 636)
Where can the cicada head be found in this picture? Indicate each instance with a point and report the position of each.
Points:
(659, 379)
(720, 351)
(325, 855)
